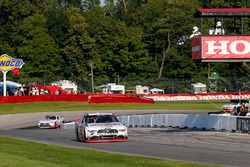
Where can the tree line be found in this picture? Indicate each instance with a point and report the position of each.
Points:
(127, 41)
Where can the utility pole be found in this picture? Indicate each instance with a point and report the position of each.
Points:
(92, 78)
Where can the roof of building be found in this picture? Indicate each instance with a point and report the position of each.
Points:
(222, 12)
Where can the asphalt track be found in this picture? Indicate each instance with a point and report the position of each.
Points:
(223, 148)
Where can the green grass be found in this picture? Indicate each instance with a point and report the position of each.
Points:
(21, 153)
(78, 106)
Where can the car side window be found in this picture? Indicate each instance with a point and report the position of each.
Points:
(84, 121)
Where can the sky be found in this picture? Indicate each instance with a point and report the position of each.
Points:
(102, 2)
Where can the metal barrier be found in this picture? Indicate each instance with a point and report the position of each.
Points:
(243, 124)
(193, 121)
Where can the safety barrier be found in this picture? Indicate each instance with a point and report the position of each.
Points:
(43, 98)
(119, 98)
(192, 121)
(91, 98)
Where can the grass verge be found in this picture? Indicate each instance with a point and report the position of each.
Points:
(78, 106)
(21, 153)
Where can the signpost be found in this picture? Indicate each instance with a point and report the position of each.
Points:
(8, 63)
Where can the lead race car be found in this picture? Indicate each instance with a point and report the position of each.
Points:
(51, 121)
(100, 127)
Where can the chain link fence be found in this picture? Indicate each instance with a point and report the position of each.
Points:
(170, 86)
(174, 86)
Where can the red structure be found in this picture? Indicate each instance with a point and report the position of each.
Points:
(119, 98)
(91, 98)
(228, 47)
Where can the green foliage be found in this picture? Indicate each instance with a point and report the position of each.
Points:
(125, 40)
(79, 106)
(26, 153)
(38, 49)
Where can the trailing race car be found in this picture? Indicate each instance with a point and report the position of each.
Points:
(100, 127)
(238, 107)
(51, 121)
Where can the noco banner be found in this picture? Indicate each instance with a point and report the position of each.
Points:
(225, 47)
(8, 63)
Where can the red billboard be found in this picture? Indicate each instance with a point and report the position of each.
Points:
(225, 48)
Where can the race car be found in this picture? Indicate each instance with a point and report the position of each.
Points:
(100, 127)
(51, 121)
(238, 107)
(234, 105)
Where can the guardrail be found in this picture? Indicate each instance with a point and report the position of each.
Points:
(193, 121)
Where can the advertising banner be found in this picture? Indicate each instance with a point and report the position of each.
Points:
(194, 97)
(226, 47)
(8, 63)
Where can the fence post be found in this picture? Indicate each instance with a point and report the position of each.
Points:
(151, 121)
(128, 120)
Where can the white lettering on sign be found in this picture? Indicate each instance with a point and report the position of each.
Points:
(212, 47)
(223, 47)
(233, 47)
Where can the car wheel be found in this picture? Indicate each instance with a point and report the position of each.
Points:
(77, 136)
(84, 135)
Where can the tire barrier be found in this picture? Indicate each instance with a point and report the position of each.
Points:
(192, 121)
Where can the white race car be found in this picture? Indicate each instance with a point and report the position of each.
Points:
(100, 127)
(234, 106)
(51, 121)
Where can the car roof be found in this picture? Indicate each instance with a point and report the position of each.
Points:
(95, 114)
(52, 115)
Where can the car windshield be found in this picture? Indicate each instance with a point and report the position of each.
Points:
(51, 117)
(101, 119)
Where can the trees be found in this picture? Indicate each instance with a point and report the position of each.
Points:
(133, 40)
(79, 47)
(38, 49)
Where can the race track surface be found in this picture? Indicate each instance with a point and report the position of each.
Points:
(230, 149)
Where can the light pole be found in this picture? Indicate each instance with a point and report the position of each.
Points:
(92, 78)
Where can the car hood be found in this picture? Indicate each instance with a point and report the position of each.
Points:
(229, 105)
(114, 125)
(47, 121)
